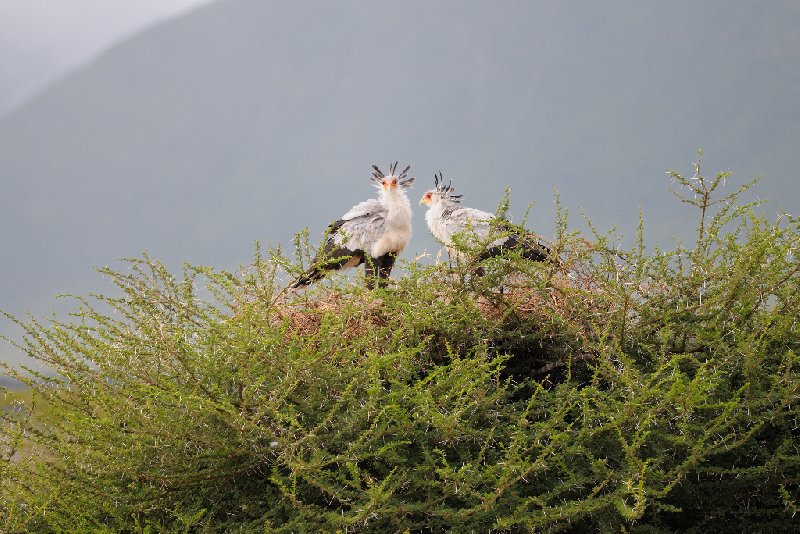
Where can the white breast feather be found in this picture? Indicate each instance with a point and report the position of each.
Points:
(396, 231)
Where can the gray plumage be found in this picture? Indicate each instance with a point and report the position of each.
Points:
(373, 232)
(447, 219)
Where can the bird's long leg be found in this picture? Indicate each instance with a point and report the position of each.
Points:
(385, 269)
(370, 265)
(377, 270)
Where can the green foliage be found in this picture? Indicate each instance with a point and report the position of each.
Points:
(609, 391)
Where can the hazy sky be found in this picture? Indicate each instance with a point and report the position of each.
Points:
(42, 39)
(207, 135)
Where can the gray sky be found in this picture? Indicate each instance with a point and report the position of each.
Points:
(42, 39)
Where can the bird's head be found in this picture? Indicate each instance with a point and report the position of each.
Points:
(440, 193)
(392, 181)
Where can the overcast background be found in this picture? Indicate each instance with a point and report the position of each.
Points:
(234, 121)
(40, 40)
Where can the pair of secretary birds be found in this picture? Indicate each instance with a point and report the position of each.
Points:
(375, 231)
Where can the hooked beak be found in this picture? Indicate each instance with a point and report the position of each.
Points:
(424, 200)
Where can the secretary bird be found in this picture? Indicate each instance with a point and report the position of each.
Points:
(446, 218)
(373, 232)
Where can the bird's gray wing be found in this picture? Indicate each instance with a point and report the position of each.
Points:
(468, 222)
(359, 227)
(479, 228)
(362, 209)
(346, 242)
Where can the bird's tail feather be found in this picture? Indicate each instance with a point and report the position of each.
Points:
(320, 269)
(308, 278)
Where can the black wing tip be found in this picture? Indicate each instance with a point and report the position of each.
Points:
(535, 251)
(528, 249)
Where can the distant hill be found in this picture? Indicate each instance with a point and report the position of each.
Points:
(249, 120)
(8, 383)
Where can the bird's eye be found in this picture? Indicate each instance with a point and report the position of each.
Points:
(394, 183)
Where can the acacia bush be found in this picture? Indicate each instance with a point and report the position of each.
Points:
(636, 390)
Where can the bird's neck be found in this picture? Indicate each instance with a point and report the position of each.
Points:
(436, 223)
(398, 208)
(437, 209)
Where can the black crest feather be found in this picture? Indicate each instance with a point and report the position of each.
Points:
(445, 191)
(403, 180)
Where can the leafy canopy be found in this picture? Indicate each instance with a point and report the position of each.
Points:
(609, 390)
